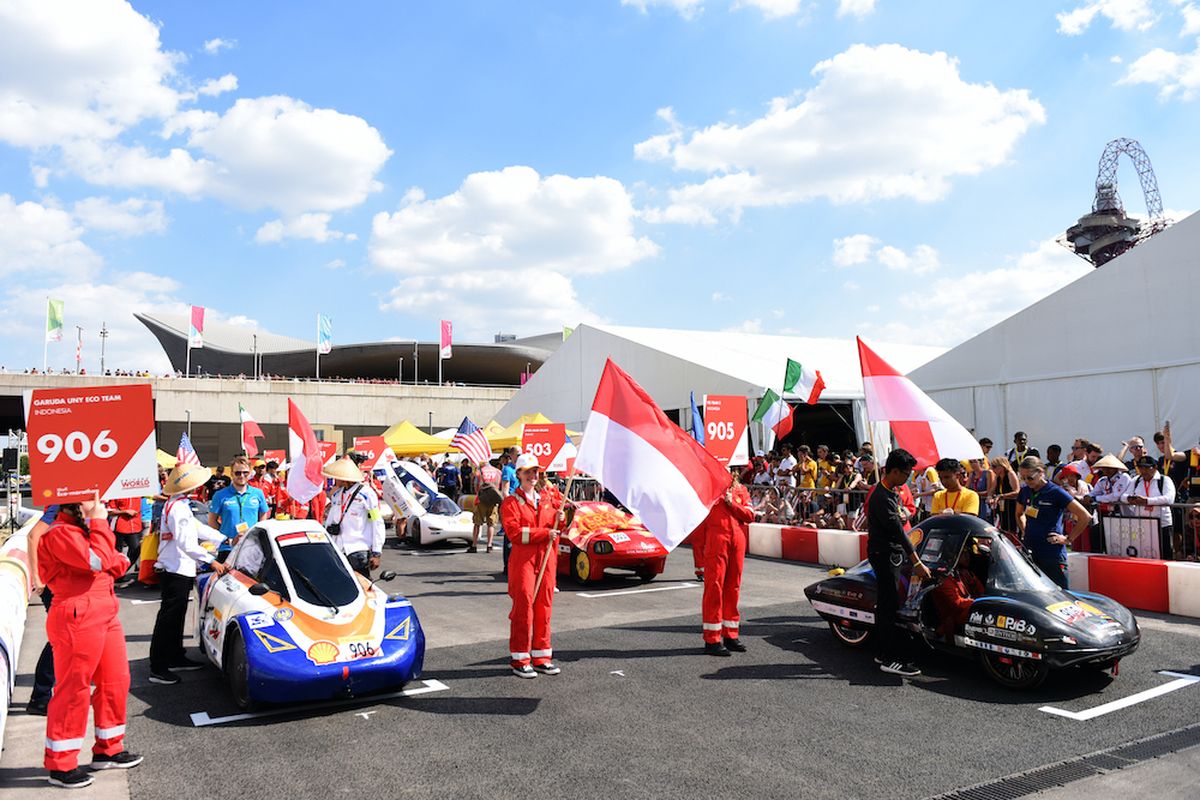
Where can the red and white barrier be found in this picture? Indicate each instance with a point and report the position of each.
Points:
(1168, 587)
(809, 545)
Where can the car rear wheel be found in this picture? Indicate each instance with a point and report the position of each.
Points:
(848, 634)
(581, 565)
(1015, 673)
(414, 532)
(646, 575)
(237, 669)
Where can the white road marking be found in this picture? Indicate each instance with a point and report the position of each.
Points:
(620, 672)
(638, 591)
(201, 719)
(145, 602)
(1182, 681)
(365, 714)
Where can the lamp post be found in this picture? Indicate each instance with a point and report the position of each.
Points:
(400, 371)
(188, 411)
(416, 364)
(431, 423)
(103, 339)
(254, 356)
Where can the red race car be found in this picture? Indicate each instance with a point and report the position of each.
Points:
(601, 538)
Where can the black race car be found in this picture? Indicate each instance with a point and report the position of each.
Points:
(1020, 627)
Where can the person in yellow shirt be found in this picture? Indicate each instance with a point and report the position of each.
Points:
(806, 470)
(826, 469)
(954, 498)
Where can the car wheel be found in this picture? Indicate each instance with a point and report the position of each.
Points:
(237, 669)
(646, 575)
(414, 532)
(1015, 673)
(581, 565)
(850, 635)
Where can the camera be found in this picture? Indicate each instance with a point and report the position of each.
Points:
(334, 528)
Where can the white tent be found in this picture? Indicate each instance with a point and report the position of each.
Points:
(669, 364)
(1111, 355)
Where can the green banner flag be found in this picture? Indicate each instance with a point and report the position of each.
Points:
(54, 320)
(791, 376)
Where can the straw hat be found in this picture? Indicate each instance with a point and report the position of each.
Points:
(186, 477)
(1109, 462)
(343, 470)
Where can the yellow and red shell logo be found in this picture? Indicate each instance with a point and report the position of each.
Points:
(323, 652)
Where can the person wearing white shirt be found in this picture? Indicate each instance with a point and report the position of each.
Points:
(1152, 493)
(353, 519)
(1112, 484)
(786, 471)
(179, 552)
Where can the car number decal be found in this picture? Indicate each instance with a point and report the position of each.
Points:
(619, 538)
(966, 641)
(844, 612)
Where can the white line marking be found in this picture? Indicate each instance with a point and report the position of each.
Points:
(1181, 681)
(145, 602)
(638, 591)
(619, 672)
(201, 719)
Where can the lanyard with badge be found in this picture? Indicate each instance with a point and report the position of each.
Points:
(1031, 510)
(242, 527)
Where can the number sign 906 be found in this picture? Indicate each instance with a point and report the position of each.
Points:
(76, 446)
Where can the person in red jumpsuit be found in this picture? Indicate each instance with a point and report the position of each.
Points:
(78, 561)
(955, 594)
(531, 521)
(726, 533)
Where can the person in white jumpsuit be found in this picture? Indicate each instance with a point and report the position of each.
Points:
(353, 518)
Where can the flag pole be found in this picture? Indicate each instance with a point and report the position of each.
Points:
(46, 339)
(552, 543)
(318, 347)
(187, 364)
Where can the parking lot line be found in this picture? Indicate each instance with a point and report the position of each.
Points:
(201, 719)
(1181, 681)
(637, 591)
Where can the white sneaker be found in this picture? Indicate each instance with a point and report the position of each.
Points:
(524, 672)
(899, 668)
(549, 668)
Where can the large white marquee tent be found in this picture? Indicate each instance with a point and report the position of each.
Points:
(670, 364)
(1113, 354)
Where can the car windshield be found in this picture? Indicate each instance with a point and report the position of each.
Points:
(318, 562)
(444, 505)
(1009, 571)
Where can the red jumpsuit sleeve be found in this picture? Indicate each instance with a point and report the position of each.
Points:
(740, 507)
(516, 529)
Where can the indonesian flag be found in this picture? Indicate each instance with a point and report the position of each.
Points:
(304, 480)
(250, 431)
(647, 461)
(920, 426)
(774, 413)
(803, 382)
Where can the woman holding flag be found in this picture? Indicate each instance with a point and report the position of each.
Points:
(725, 533)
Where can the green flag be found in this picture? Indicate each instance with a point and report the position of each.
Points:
(54, 320)
(791, 376)
(567, 332)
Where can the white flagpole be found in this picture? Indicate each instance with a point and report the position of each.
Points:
(187, 369)
(46, 339)
(318, 347)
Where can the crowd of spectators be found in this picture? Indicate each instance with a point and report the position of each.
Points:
(201, 375)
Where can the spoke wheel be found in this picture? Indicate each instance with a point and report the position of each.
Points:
(1015, 673)
(848, 634)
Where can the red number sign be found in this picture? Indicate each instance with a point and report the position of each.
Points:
(725, 424)
(98, 438)
(372, 447)
(546, 443)
(278, 456)
(328, 451)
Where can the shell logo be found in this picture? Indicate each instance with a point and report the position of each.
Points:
(323, 652)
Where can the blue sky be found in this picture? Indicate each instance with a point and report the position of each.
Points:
(817, 167)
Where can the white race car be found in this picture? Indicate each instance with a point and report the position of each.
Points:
(429, 515)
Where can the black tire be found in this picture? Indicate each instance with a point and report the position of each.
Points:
(414, 532)
(646, 575)
(1018, 673)
(581, 566)
(237, 670)
(850, 635)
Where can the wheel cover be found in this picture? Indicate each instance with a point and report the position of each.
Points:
(583, 565)
(1016, 670)
(849, 635)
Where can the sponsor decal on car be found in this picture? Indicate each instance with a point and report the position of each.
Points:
(274, 644)
(283, 615)
(323, 652)
(619, 538)
(256, 621)
(1075, 611)
(844, 612)
(967, 641)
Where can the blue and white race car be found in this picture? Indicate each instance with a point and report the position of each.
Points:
(429, 516)
(290, 621)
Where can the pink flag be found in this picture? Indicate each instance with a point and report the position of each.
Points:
(196, 333)
(651, 464)
(445, 351)
(304, 479)
(920, 426)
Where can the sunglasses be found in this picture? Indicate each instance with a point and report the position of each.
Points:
(241, 472)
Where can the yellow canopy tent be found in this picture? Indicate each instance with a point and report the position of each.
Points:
(165, 459)
(406, 439)
(511, 436)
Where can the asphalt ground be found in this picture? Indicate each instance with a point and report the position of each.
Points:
(638, 711)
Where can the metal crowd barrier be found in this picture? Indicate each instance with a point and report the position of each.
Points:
(831, 508)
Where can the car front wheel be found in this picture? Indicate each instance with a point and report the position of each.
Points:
(237, 669)
(848, 634)
(581, 565)
(414, 532)
(1015, 673)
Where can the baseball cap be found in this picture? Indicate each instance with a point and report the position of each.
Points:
(526, 461)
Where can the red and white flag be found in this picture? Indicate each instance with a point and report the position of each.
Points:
(651, 464)
(446, 337)
(250, 431)
(304, 480)
(920, 426)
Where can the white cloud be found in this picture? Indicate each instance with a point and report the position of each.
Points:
(882, 122)
(856, 8)
(314, 226)
(771, 9)
(216, 86)
(851, 286)
(1191, 18)
(686, 8)
(42, 238)
(79, 69)
(1177, 75)
(936, 310)
(851, 250)
(214, 46)
(131, 217)
(336, 263)
(1125, 15)
(720, 297)
(746, 326)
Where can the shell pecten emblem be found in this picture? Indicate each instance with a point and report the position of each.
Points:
(322, 652)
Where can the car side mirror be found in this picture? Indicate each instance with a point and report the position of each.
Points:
(387, 575)
(259, 589)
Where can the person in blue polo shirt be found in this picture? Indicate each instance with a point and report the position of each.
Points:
(1040, 507)
(238, 507)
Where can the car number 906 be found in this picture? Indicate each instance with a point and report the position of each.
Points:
(361, 650)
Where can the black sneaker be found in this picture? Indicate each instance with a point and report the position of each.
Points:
(122, 760)
(74, 779)
(899, 668)
(734, 645)
(37, 707)
(524, 672)
(549, 668)
(472, 549)
(715, 649)
(185, 664)
(164, 677)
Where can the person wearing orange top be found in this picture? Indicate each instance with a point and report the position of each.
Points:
(726, 535)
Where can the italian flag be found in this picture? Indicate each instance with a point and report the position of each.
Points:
(775, 414)
(803, 382)
(250, 431)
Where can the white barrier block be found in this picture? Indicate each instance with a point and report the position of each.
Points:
(1183, 584)
(839, 548)
(766, 540)
(1077, 571)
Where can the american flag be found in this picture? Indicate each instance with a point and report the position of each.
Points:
(187, 453)
(470, 439)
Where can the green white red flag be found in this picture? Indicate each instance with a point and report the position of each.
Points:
(803, 382)
(774, 413)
